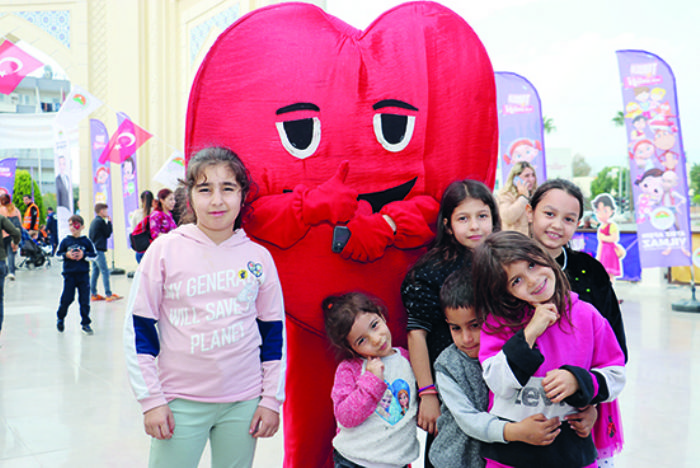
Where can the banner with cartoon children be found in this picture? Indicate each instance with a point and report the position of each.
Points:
(519, 125)
(101, 180)
(657, 159)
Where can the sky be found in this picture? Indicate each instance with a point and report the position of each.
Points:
(566, 49)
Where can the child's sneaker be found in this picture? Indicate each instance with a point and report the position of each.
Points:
(97, 297)
(60, 326)
(113, 297)
(10, 276)
(87, 330)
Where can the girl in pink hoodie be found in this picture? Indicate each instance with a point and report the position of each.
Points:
(204, 333)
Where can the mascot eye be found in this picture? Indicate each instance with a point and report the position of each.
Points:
(300, 137)
(393, 131)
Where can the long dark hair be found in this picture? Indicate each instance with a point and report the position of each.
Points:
(147, 201)
(445, 247)
(162, 195)
(491, 295)
(339, 314)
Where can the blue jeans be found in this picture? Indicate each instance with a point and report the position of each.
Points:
(3, 272)
(100, 265)
(7, 241)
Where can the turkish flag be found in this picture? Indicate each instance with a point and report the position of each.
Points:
(15, 64)
(124, 142)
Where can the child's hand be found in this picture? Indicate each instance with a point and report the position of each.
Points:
(375, 366)
(77, 254)
(534, 430)
(428, 413)
(159, 422)
(265, 422)
(545, 316)
(559, 384)
(583, 421)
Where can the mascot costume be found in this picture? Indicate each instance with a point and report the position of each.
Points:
(351, 137)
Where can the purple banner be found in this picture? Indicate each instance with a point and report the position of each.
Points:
(101, 179)
(130, 189)
(519, 124)
(657, 159)
(7, 176)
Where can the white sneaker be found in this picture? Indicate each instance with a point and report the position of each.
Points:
(10, 276)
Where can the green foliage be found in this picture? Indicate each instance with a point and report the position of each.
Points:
(50, 200)
(548, 125)
(619, 119)
(608, 181)
(23, 186)
(694, 183)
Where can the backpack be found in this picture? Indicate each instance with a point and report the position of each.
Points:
(140, 237)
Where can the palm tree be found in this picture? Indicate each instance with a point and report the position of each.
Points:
(548, 124)
(619, 119)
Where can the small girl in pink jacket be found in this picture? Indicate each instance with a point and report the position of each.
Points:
(376, 425)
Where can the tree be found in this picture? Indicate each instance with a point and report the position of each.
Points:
(580, 167)
(23, 186)
(619, 119)
(695, 183)
(548, 124)
(609, 180)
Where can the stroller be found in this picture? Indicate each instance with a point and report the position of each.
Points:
(34, 254)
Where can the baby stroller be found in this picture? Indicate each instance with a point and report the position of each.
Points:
(34, 254)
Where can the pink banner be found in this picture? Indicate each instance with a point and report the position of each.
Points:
(657, 159)
(519, 124)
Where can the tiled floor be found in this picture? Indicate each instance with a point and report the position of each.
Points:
(65, 402)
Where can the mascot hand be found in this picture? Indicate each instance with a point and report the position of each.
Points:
(370, 235)
(413, 220)
(332, 201)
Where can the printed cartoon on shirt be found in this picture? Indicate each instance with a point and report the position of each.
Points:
(394, 404)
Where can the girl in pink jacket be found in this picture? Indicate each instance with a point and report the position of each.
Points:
(374, 392)
(204, 333)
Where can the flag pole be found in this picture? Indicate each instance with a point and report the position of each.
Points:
(692, 305)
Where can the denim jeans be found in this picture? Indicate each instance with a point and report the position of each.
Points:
(100, 266)
(7, 241)
(3, 272)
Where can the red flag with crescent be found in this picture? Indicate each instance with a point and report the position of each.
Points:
(124, 142)
(15, 64)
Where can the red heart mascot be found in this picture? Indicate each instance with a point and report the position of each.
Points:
(342, 127)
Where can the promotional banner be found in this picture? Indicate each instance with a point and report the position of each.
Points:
(7, 176)
(15, 64)
(519, 125)
(172, 171)
(64, 185)
(78, 105)
(130, 189)
(101, 180)
(657, 159)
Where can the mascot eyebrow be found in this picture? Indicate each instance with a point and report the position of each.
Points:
(298, 107)
(393, 103)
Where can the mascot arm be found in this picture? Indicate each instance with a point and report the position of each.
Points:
(284, 219)
(413, 219)
(370, 235)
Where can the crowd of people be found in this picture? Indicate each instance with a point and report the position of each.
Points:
(516, 346)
